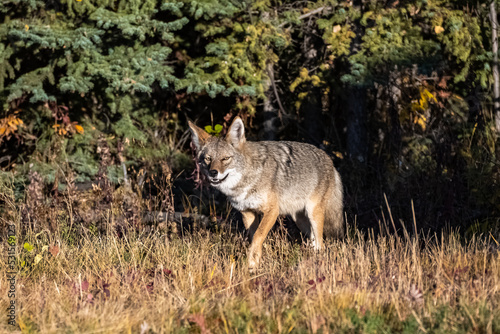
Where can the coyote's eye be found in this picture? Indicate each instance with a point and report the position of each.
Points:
(226, 159)
(207, 160)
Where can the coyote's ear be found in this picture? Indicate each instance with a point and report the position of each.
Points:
(198, 135)
(236, 134)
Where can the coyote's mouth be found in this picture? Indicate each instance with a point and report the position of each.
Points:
(218, 181)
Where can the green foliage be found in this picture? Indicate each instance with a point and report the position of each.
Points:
(102, 66)
(236, 52)
(215, 131)
(28, 247)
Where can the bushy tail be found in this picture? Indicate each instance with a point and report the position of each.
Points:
(334, 215)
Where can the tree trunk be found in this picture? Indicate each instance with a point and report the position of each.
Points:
(311, 109)
(496, 79)
(271, 114)
(394, 111)
(314, 122)
(357, 137)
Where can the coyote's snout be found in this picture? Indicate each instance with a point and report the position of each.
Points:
(270, 179)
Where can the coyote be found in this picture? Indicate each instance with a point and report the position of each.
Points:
(272, 178)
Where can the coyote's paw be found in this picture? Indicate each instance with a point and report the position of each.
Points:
(253, 261)
(315, 244)
(252, 269)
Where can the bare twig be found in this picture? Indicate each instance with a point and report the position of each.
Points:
(306, 15)
(270, 71)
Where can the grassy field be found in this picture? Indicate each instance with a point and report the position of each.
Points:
(198, 282)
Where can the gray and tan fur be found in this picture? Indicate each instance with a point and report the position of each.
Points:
(271, 179)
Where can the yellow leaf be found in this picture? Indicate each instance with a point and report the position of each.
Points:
(12, 125)
(336, 28)
(429, 95)
(315, 80)
(26, 27)
(438, 29)
(423, 104)
(304, 73)
(213, 270)
(421, 120)
(338, 154)
(22, 325)
(79, 128)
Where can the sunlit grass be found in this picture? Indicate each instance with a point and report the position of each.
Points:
(199, 282)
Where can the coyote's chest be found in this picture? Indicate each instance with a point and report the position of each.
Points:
(248, 199)
(242, 197)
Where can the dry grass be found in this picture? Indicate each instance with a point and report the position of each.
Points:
(198, 282)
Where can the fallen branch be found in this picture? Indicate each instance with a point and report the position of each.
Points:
(160, 216)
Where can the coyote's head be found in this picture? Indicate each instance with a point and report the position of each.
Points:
(220, 159)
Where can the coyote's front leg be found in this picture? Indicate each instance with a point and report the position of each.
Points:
(251, 221)
(267, 222)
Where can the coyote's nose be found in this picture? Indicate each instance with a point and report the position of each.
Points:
(213, 172)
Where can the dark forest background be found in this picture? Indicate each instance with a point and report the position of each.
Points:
(96, 95)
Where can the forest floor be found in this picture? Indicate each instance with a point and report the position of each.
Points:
(198, 282)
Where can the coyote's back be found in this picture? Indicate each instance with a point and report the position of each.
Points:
(301, 175)
(273, 178)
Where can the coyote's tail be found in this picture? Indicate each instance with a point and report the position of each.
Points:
(334, 215)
